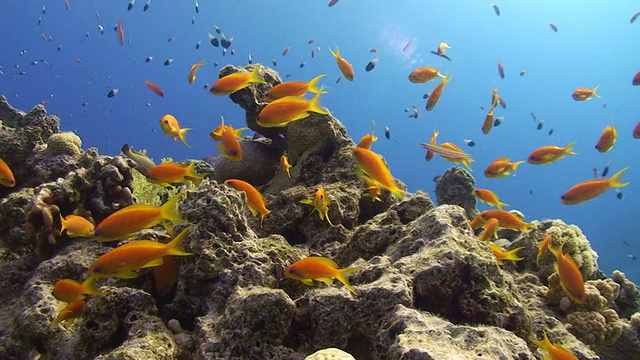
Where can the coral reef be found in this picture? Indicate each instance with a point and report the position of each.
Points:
(427, 288)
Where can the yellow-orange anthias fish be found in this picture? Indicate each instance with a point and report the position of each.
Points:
(366, 141)
(589, 189)
(294, 88)
(570, 276)
(284, 164)
(216, 134)
(343, 65)
(255, 200)
(437, 92)
(168, 173)
(68, 290)
(507, 220)
(501, 167)
(76, 225)
(171, 127)
(192, 72)
(123, 261)
(155, 88)
(424, 74)
(430, 153)
(583, 93)
(373, 190)
(283, 111)
(372, 166)
(490, 230)
(320, 202)
(131, 219)
(549, 154)
(488, 122)
(501, 255)
(6, 175)
(488, 197)
(165, 275)
(543, 245)
(554, 351)
(236, 81)
(607, 139)
(69, 313)
(229, 146)
(319, 269)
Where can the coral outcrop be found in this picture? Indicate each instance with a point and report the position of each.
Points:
(427, 288)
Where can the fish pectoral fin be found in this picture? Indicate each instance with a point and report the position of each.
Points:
(127, 275)
(299, 116)
(156, 262)
(254, 212)
(325, 280)
(308, 282)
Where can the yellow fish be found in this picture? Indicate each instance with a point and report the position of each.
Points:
(192, 72)
(72, 311)
(372, 165)
(76, 225)
(319, 269)
(236, 81)
(283, 111)
(171, 127)
(255, 200)
(320, 204)
(284, 164)
(68, 290)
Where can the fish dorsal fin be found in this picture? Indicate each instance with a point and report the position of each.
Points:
(503, 159)
(326, 261)
(139, 206)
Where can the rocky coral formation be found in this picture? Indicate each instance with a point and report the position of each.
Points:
(427, 288)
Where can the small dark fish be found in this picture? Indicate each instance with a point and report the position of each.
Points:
(372, 64)
(498, 121)
(595, 172)
(287, 76)
(198, 45)
(130, 6)
(34, 62)
(224, 52)
(233, 51)
(550, 131)
(197, 7)
(333, 2)
(619, 194)
(523, 72)
(22, 73)
(274, 62)
(496, 9)
(215, 64)
(113, 92)
(632, 256)
(387, 132)
(39, 20)
(530, 192)
(426, 96)
(146, 5)
(553, 27)
(500, 69)
(193, 20)
(605, 171)
(441, 55)
(286, 50)
(250, 59)
(171, 38)
(302, 64)
(437, 178)
(534, 116)
(338, 79)
(44, 10)
(633, 18)
(206, 86)
(229, 43)
(59, 47)
(217, 29)
(374, 50)
(406, 46)
(214, 40)
(224, 42)
(313, 53)
(469, 142)
(311, 41)
(168, 62)
(148, 59)
(503, 104)
(540, 125)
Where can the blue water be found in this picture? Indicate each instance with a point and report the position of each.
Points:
(595, 45)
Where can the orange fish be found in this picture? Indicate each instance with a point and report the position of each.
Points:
(255, 200)
(589, 189)
(216, 134)
(131, 219)
(320, 202)
(283, 111)
(286, 50)
(490, 230)
(6, 175)
(171, 127)
(607, 139)
(554, 351)
(345, 67)
(368, 139)
(229, 146)
(430, 153)
(501, 167)
(570, 276)
(501, 255)
(436, 93)
(488, 122)
(488, 197)
(373, 190)
(120, 31)
(76, 225)
(636, 131)
(582, 93)
(122, 261)
(477, 222)
(192, 72)
(155, 88)
(372, 166)
(165, 276)
(68, 290)
(424, 74)
(294, 88)
(284, 164)
(543, 245)
(168, 173)
(495, 98)
(549, 154)
(636, 79)
(319, 269)
(507, 220)
(236, 81)
(69, 313)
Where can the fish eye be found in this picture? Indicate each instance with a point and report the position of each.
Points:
(291, 270)
(563, 197)
(96, 269)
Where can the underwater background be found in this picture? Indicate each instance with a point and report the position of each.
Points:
(58, 56)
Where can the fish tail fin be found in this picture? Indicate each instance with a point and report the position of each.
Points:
(335, 54)
(513, 254)
(314, 105)
(514, 166)
(466, 164)
(193, 175)
(544, 343)
(312, 85)
(63, 224)
(238, 132)
(594, 91)
(181, 136)
(613, 181)
(343, 277)
(569, 149)
(169, 210)
(263, 215)
(500, 205)
(90, 287)
(175, 246)
(255, 76)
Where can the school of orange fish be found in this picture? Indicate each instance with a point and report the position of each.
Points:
(284, 104)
